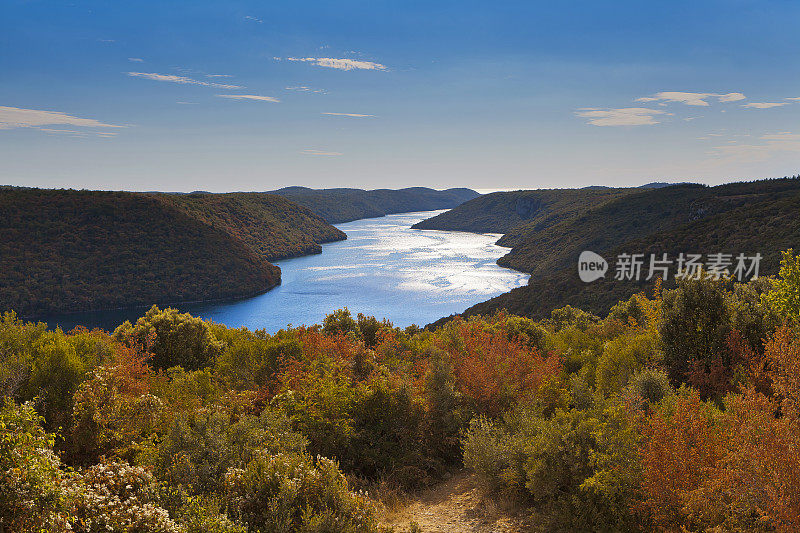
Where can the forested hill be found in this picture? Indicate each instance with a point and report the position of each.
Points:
(734, 218)
(501, 212)
(66, 250)
(345, 205)
(272, 226)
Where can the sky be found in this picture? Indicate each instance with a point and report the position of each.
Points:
(251, 96)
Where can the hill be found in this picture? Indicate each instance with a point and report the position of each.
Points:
(66, 250)
(502, 212)
(344, 205)
(270, 225)
(734, 218)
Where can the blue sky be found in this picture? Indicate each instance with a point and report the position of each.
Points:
(245, 95)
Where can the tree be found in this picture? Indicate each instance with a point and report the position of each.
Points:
(173, 338)
(785, 295)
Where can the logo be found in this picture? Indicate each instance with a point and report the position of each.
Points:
(591, 266)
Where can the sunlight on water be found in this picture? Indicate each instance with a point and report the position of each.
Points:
(384, 268)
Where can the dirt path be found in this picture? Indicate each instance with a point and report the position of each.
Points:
(453, 507)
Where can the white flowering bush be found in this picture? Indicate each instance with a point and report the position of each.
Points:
(120, 498)
(285, 493)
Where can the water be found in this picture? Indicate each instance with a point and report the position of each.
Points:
(384, 268)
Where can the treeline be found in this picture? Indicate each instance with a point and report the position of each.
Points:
(749, 218)
(678, 411)
(344, 205)
(66, 250)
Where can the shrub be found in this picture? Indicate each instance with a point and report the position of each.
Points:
(173, 338)
(622, 357)
(31, 481)
(285, 493)
(784, 298)
(696, 323)
(119, 497)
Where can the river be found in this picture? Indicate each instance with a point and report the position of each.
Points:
(384, 268)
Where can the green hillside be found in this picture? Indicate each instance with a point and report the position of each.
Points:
(63, 251)
(270, 225)
(503, 212)
(345, 205)
(735, 218)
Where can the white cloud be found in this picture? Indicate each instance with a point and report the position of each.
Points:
(15, 117)
(319, 152)
(765, 105)
(136, 60)
(732, 97)
(628, 116)
(180, 79)
(253, 19)
(341, 64)
(696, 99)
(219, 75)
(249, 97)
(348, 114)
(305, 89)
(794, 98)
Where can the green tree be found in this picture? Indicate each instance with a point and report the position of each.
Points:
(174, 339)
(785, 295)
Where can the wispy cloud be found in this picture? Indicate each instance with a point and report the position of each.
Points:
(696, 99)
(319, 152)
(219, 75)
(773, 144)
(180, 79)
(628, 116)
(253, 19)
(340, 64)
(764, 105)
(249, 97)
(357, 115)
(794, 98)
(305, 89)
(136, 60)
(15, 117)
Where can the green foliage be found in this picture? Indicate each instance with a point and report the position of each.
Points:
(647, 387)
(696, 323)
(340, 322)
(285, 493)
(578, 468)
(784, 297)
(622, 358)
(31, 491)
(200, 447)
(174, 339)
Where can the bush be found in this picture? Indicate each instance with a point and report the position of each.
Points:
(286, 493)
(31, 481)
(622, 357)
(173, 338)
(119, 497)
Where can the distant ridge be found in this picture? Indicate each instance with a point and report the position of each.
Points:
(345, 205)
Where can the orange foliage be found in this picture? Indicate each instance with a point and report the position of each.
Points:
(677, 452)
(494, 371)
